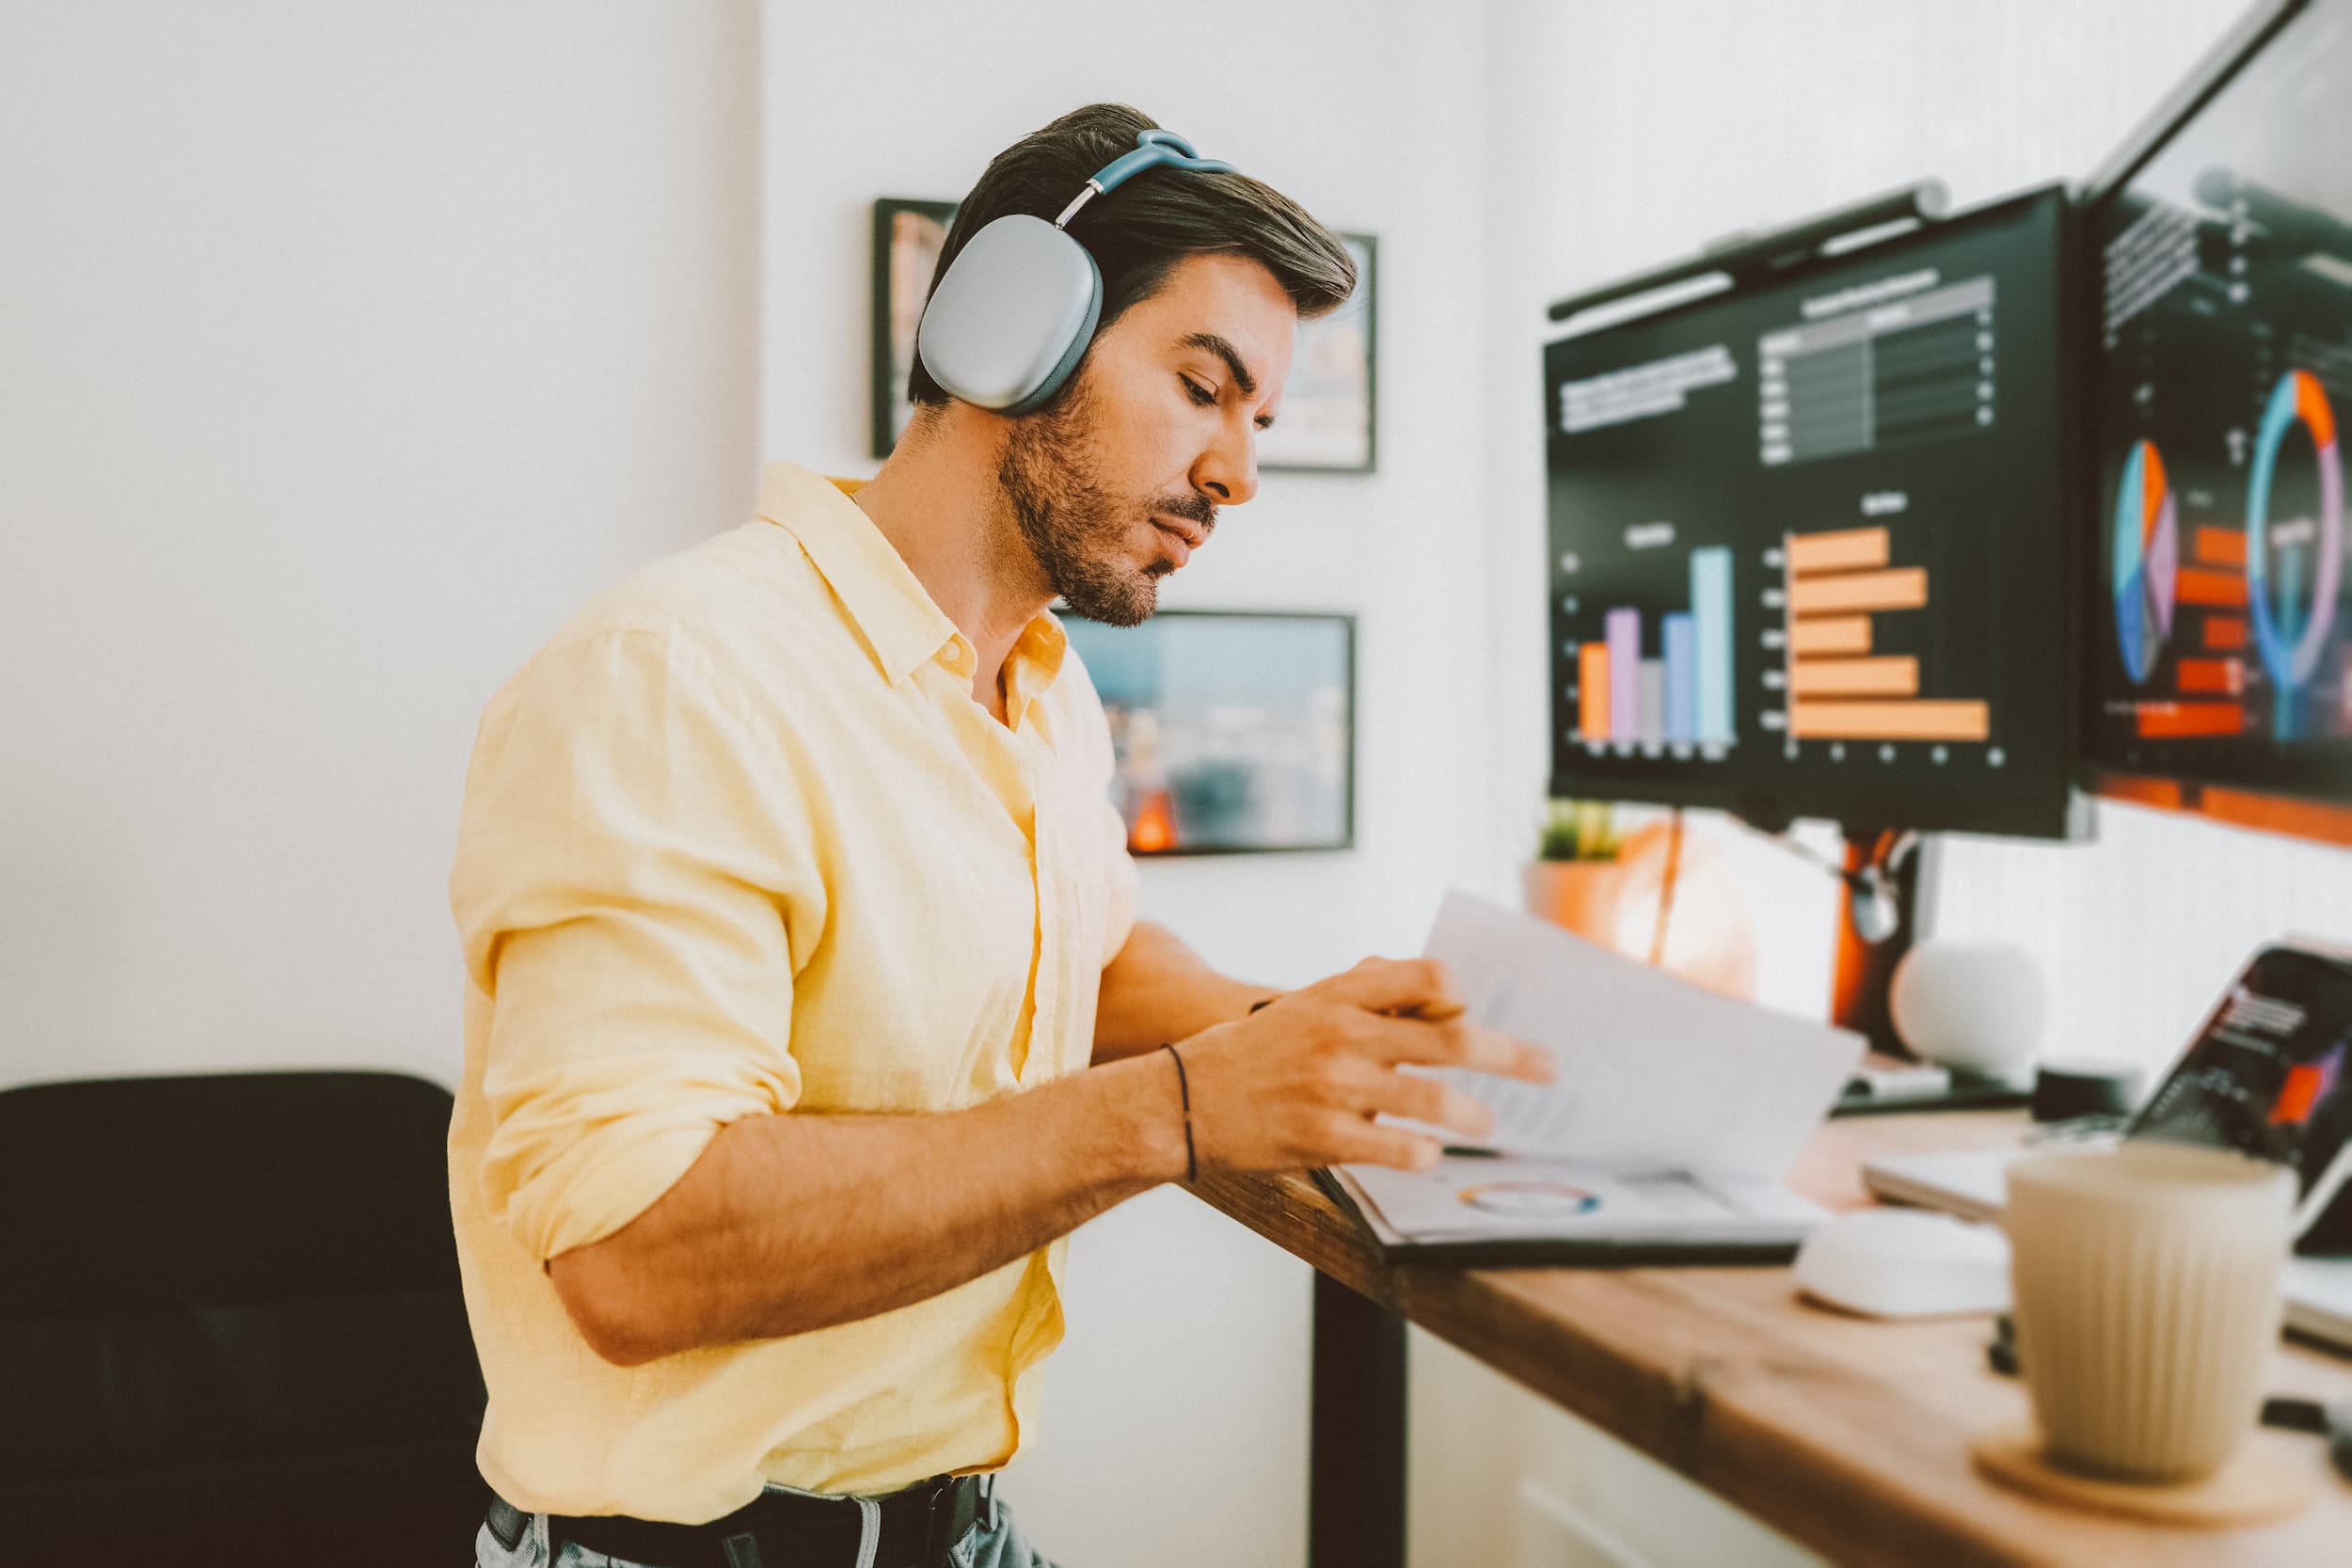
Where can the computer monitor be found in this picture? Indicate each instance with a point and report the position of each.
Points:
(1810, 552)
(2218, 607)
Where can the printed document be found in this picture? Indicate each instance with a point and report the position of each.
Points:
(1675, 1115)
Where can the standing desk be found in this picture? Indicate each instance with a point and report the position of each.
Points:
(1849, 1434)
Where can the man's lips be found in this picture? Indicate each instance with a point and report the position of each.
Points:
(1181, 540)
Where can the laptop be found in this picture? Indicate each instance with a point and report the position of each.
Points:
(2270, 1075)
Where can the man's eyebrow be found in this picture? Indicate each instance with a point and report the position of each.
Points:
(1227, 352)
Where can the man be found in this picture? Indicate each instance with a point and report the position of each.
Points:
(807, 1008)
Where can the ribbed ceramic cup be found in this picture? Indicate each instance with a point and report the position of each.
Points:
(2147, 1302)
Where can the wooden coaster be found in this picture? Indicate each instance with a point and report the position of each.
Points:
(2267, 1480)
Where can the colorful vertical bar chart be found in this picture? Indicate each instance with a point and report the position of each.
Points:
(1674, 691)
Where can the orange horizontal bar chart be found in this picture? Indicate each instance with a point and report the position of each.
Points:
(2221, 676)
(1849, 550)
(1826, 634)
(2194, 585)
(2220, 547)
(1592, 691)
(1895, 675)
(1906, 720)
(1903, 588)
(2174, 720)
(2225, 633)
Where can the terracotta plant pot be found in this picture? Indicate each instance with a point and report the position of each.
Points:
(1582, 896)
(1710, 933)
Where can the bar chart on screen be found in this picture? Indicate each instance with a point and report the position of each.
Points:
(1836, 590)
(1661, 680)
(2182, 600)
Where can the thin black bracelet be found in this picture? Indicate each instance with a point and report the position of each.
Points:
(1183, 1091)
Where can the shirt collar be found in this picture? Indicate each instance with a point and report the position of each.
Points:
(1031, 667)
(885, 600)
(902, 626)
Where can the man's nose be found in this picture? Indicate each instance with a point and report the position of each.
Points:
(1228, 470)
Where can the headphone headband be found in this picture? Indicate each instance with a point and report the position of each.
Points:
(1153, 150)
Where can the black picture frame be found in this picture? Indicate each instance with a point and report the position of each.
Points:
(1323, 418)
(896, 304)
(1097, 643)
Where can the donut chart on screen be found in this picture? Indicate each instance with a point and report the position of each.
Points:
(2291, 649)
(2145, 560)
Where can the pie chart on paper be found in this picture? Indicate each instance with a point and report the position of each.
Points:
(2145, 561)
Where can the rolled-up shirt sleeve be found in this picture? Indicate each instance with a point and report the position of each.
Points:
(626, 889)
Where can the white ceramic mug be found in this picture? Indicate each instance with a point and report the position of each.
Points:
(2147, 1302)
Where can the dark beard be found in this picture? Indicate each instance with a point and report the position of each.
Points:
(1073, 525)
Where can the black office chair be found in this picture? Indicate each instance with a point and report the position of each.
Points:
(231, 1329)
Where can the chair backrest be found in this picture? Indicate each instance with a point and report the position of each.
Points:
(230, 1313)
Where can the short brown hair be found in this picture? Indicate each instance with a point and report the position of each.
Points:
(1141, 229)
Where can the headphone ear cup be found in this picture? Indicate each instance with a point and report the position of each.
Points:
(1013, 316)
(1079, 342)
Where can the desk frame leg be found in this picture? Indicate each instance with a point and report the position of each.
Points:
(1356, 1436)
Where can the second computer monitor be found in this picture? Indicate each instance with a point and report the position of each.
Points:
(2221, 645)
(1809, 541)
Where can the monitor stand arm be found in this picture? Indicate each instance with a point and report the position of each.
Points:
(1881, 872)
(1877, 922)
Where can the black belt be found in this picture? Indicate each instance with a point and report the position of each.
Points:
(913, 1529)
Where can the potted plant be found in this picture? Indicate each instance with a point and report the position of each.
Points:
(1654, 894)
(1577, 875)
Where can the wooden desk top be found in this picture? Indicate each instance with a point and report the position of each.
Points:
(1850, 1434)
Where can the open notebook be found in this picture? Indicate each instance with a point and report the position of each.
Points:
(1668, 1131)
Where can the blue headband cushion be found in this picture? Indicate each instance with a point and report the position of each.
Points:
(1010, 321)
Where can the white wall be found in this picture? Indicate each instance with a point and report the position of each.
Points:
(344, 351)
(1174, 1424)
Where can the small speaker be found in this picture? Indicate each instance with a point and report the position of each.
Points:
(1977, 1008)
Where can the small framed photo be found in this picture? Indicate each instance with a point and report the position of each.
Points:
(1236, 732)
(1330, 408)
(908, 238)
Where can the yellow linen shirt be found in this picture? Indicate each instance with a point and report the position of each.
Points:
(740, 841)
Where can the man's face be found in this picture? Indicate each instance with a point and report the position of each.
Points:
(1116, 485)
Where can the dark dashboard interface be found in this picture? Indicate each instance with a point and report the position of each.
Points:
(2220, 609)
(1808, 553)
(2268, 1076)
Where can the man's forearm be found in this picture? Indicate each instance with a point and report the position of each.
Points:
(1158, 989)
(797, 1222)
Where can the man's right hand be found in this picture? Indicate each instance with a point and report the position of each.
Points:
(1299, 1083)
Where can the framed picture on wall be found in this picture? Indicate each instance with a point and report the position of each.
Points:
(1234, 732)
(1330, 406)
(908, 238)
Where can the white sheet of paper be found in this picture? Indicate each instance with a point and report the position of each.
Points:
(1655, 1073)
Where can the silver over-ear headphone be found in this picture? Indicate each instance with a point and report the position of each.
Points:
(1011, 319)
